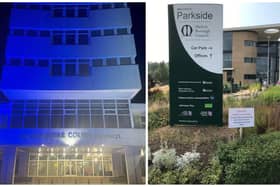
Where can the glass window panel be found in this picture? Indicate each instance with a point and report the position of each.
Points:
(123, 106)
(29, 62)
(18, 32)
(96, 112)
(43, 121)
(122, 31)
(109, 101)
(15, 61)
(56, 122)
(125, 61)
(82, 12)
(80, 168)
(16, 121)
(56, 69)
(58, 12)
(83, 121)
(98, 171)
(111, 121)
(60, 168)
(70, 38)
(70, 12)
(88, 168)
(83, 69)
(107, 161)
(44, 33)
(52, 168)
(124, 122)
(108, 32)
(70, 69)
(83, 39)
(110, 112)
(31, 33)
(3, 121)
(122, 101)
(122, 112)
(95, 33)
(97, 62)
(106, 5)
(119, 5)
(56, 111)
(83, 112)
(96, 106)
(42, 168)
(69, 121)
(109, 106)
(32, 168)
(43, 63)
(30, 121)
(97, 121)
(57, 38)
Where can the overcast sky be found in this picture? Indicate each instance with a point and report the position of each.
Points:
(236, 14)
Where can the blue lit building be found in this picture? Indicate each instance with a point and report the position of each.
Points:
(66, 116)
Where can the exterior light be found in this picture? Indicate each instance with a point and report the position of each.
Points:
(142, 152)
(271, 31)
(88, 149)
(39, 150)
(102, 145)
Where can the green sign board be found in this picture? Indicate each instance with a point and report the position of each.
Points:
(195, 62)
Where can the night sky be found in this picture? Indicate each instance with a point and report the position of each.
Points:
(138, 29)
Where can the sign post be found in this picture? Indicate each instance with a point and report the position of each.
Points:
(240, 118)
(195, 63)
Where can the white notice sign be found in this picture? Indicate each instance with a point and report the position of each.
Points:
(241, 117)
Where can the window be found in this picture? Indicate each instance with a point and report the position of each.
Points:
(70, 69)
(16, 121)
(57, 38)
(249, 43)
(125, 61)
(70, 11)
(44, 33)
(95, 33)
(82, 12)
(69, 121)
(46, 7)
(56, 69)
(70, 38)
(107, 5)
(18, 32)
(108, 32)
(31, 33)
(83, 69)
(122, 31)
(93, 7)
(83, 37)
(250, 76)
(119, 5)
(15, 61)
(29, 62)
(249, 60)
(30, 121)
(43, 63)
(97, 62)
(124, 121)
(111, 61)
(43, 121)
(58, 12)
(111, 121)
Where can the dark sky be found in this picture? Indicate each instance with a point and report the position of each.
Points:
(138, 29)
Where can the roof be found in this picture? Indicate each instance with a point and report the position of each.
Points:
(259, 29)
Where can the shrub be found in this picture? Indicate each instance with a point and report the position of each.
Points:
(165, 159)
(271, 95)
(254, 160)
(155, 175)
(158, 118)
(186, 159)
(190, 174)
(170, 177)
(213, 172)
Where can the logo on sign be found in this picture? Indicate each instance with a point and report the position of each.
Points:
(187, 30)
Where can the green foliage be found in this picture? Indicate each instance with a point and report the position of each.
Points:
(170, 177)
(158, 118)
(159, 72)
(190, 174)
(271, 95)
(155, 175)
(165, 159)
(254, 160)
(213, 173)
(254, 87)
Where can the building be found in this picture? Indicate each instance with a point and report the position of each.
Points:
(246, 55)
(66, 114)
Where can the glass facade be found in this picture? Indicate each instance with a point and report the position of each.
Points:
(72, 162)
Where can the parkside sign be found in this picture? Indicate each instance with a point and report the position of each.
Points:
(195, 61)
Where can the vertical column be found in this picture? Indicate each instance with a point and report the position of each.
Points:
(117, 163)
(22, 158)
(132, 157)
(8, 165)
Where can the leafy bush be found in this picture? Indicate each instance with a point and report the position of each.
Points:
(158, 118)
(186, 159)
(213, 173)
(165, 159)
(190, 174)
(155, 175)
(271, 95)
(254, 160)
(170, 177)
